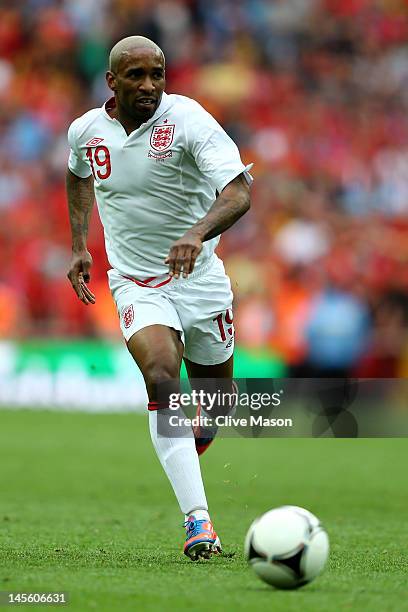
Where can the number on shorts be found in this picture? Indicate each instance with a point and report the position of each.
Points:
(227, 316)
(103, 161)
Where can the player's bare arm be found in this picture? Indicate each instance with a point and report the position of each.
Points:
(230, 205)
(80, 195)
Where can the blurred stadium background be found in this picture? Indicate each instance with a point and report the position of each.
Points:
(315, 93)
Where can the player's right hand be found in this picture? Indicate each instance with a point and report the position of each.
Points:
(79, 276)
(183, 254)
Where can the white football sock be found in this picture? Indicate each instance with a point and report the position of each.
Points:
(200, 515)
(179, 459)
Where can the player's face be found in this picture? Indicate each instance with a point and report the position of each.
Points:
(138, 83)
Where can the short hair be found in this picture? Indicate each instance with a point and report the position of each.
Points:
(126, 45)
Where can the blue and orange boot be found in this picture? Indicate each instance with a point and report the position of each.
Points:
(201, 539)
(204, 436)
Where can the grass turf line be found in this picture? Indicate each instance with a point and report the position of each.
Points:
(85, 508)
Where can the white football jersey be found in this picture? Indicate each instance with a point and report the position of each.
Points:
(156, 183)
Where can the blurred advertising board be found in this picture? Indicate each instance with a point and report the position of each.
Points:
(90, 375)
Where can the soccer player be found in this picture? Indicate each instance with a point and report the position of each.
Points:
(167, 181)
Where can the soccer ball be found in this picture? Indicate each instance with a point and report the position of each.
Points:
(287, 547)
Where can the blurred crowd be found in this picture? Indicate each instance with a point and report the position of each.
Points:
(314, 92)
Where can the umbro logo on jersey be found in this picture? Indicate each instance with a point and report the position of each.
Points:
(93, 142)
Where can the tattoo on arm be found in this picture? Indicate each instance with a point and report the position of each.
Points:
(230, 205)
(80, 195)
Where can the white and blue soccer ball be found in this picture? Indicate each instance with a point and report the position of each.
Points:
(287, 547)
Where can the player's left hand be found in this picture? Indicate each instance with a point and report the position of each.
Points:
(183, 254)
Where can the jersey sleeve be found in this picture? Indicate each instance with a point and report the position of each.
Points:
(76, 164)
(215, 153)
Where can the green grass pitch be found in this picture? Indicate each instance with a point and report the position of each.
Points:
(85, 508)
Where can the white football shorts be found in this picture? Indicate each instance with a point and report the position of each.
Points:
(199, 307)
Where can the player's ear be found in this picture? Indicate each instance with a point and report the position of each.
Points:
(111, 80)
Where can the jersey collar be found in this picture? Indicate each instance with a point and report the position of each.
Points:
(160, 110)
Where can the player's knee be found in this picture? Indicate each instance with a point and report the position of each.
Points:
(161, 379)
(159, 373)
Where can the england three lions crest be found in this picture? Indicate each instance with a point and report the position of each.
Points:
(162, 137)
(128, 316)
